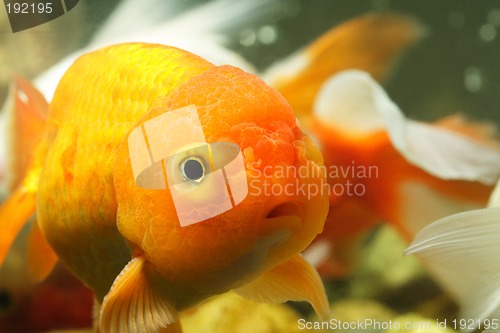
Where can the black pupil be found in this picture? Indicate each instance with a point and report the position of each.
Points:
(193, 169)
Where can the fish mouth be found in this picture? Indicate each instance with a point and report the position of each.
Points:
(288, 208)
(287, 215)
(284, 219)
(275, 231)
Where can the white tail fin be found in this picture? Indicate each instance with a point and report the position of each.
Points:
(353, 102)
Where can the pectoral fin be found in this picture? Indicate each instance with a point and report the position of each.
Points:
(135, 303)
(28, 123)
(41, 257)
(294, 280)
(29, 111)
(462, 250)
(14, 214)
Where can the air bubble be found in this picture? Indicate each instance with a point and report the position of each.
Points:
(267, 34)
(487, 32)
(248, 38)
(473, 79)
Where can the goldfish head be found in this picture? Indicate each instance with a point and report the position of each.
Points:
(217, 182)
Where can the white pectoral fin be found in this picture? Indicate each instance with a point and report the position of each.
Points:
(294, 280)
(136, 304)
(354, 102)
(465, 246)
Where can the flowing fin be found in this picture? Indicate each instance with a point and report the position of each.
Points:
(41, 257)
(294, 280)
(370, 42)
(28, 122)
(134, 294)
(14, 214)
(29, 117)
(355, 104)
(463, 250)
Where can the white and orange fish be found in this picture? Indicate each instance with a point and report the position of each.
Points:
(384, 167)
(381, 166)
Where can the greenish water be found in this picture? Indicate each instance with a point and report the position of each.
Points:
(453, 69)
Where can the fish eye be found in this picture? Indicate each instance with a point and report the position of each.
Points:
(193, 169)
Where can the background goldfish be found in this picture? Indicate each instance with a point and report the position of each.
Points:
(381, 166)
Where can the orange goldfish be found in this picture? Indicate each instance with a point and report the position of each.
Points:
(381, 166)
(204, 30)
(107, 179)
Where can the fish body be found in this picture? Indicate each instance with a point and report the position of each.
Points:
(368, 175)
(125, 241)
(371, 183)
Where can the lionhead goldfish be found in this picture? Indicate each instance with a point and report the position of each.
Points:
(122, 236)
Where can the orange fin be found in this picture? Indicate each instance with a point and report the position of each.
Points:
(30, 112)
(28, 123)
(133, 295)
(41, 257)
(14, 213)
(370, 42)
(294, 280)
